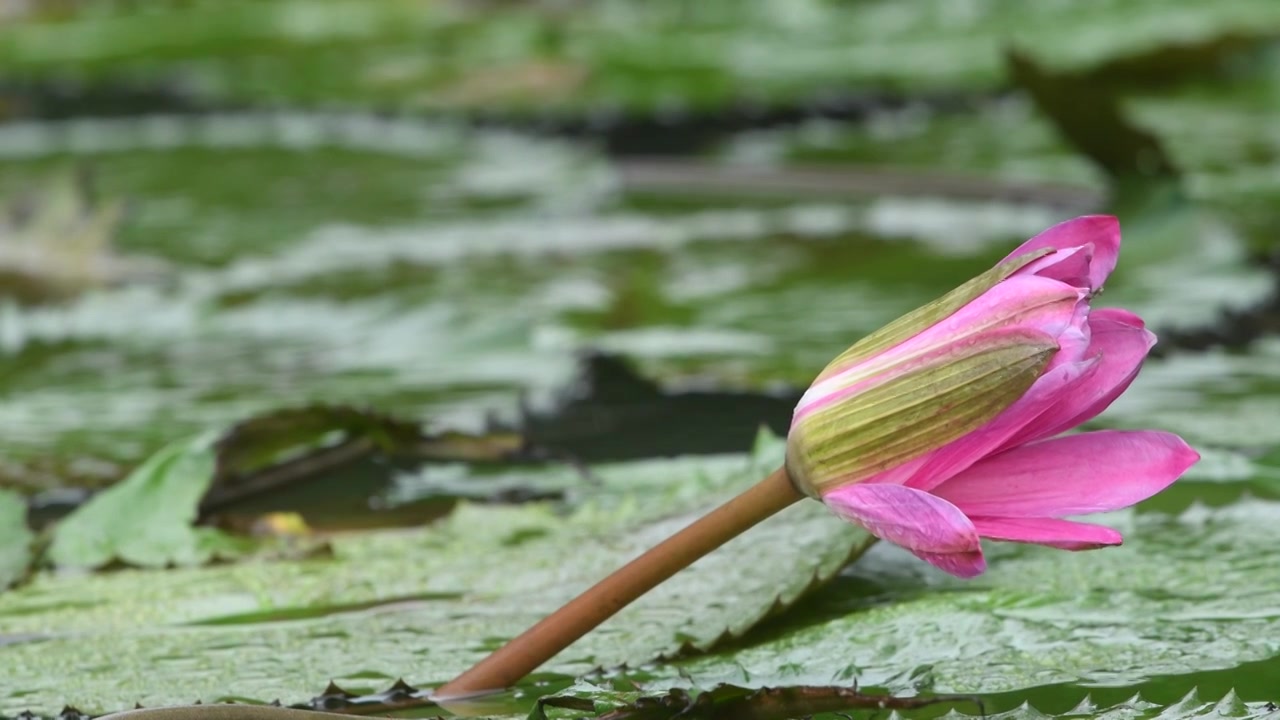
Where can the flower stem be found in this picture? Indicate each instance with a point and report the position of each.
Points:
(511, 662)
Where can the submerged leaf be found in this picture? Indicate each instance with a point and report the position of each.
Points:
(300, 444)
(612, 412)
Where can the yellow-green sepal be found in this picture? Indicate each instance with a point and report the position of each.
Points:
(957, 391)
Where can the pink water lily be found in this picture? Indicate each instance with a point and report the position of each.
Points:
(999, 467)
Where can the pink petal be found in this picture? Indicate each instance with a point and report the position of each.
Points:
(1061, 534)
(1123, 346)
(1103, 231)
(1121, 342)
(1075, 339)
(956, 457)
(1118, 316)
(963, 565)
(1072, 475)
(913, 519)
(1070, 266)
(1020, 304)
(1035, 303)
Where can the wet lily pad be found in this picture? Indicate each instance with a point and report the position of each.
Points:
(1186, 594)
(648, 56)
(404, 314)
(726, 701)
(422, 603)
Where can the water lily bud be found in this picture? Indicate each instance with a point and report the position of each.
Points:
(939, 429)
(852, 428)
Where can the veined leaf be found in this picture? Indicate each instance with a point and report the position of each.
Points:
(424, 603)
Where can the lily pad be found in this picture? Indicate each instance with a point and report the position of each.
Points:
(423, 603)
(645, 56)
(147, 518)
(15, 539)
(1186, 594)
(727, 702)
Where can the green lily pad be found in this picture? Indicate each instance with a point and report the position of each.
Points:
(649, 56)
(1186, 594)
(728, 702)
(15, 539)
(423, 603)
(147, 518)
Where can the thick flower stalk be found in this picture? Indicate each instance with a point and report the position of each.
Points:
(946, 426)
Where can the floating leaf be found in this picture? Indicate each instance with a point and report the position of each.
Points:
(295, 445)
(730, 702)
(147, 519)
(421, 603)
(634, 56)
(1186, 595)
(15, 539)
